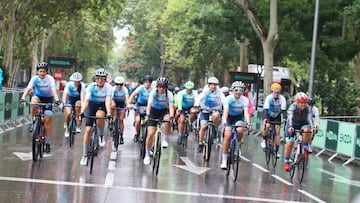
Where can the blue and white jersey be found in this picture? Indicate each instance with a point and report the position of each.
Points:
(142, 94)
(214, 100)
(98, 95)
(72, 90)
(185, 100)
(42, 87)
(159, 101)
(315, 112)
(119, 95)
(237, 106)
(274, 106)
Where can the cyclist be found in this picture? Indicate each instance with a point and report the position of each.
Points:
(142, 93)
(316, 117)
(120, 97)
(274, 106)
(186, 99)
(73, 96)
(97, 103)
(299, 118)
(160, 106)
(211, 97)
(225, 91)
(236, 113)
(45, 92)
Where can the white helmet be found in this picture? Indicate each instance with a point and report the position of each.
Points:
(225, 89)
(238, 84)
(101, 72)
(76, 77)
(213, 80)
(119, 80)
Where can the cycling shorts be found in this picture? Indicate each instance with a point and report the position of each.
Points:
(91, 111)
(156, 114)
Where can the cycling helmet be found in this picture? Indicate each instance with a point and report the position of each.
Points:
(311, 101)
(275, 87)
(42, 65)
(147, 78)
(119, 80)
(301, 97)
(76, 77)
(189, 85)
(237, 84)
(213, 80)
(225, 89)
(162, 81)
(101, 72)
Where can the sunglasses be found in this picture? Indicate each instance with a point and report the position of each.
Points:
(239, 90)
(100, 77)
(120, 84)
(161, 86)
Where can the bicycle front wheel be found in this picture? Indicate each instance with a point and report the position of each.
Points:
(142, 141)
(36, 141)
(116, 134)
(157, 153)
(72, 131)
(234, 161)
(208, 143)
(274, 152)
(93, 149)
(268, 151)
(301, 169)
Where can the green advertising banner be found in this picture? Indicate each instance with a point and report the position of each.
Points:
(14, 105)
(357, 143)
(332, 132)
(320, 136)
(346, 138)
(2, 106)
(8, 105)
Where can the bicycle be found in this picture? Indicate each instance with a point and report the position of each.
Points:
(94, 141)
(116, 128)
(38, 130)
(156, 147)
(271, 150)
(299, 157)
(209, 133)
(142, 134)
(234, 153)
(72, 126)
(187, 125)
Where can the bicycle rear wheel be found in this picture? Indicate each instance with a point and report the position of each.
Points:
(234, 161)
(92, 149)
(36, 141)
(72, 131)
(157, 154)
(116, 134)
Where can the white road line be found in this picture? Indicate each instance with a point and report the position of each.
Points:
(112, 165)
(332, 174)
(109, 186)
(245, 159)
(311, 196)
(113, 156)
(109, 180)
(260, 167)
(281, 179)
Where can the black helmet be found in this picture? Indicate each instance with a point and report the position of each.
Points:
(311, 101)
(147, 78)
(162, 81)
(42, 65)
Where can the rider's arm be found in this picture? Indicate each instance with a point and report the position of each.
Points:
(150, 100)
(179, 98)
(65, 94)
(290, 114)
(309, 117)
(247, 116)
(28, 88)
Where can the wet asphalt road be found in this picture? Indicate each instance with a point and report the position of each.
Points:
(183, 176)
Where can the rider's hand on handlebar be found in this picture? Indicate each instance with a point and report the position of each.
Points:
(249, 126)
(22, 101)
(57, 102)
(109, 117)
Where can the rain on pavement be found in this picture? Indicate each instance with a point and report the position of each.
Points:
(183, 175)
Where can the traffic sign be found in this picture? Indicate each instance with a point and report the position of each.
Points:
(61, 62)
(244, 77)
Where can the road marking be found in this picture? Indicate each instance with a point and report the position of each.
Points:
(190, 166)
(245, 159)
(311, 196)
(109, 180)
(281, 179)
(341, 179)
(27, 156)
(112, 165)
(121, 188)
(113, 156)
(260, 167)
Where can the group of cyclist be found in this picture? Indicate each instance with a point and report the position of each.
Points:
(228, 107)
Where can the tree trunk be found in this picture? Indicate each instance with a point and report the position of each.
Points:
(2, 30)
(10, 45)
(244, 62)
(162, 62)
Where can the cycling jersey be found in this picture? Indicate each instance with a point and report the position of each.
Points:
(119, 95)
(237, 106)
(161, 101)
(273, 107)
(215, 100)
(297, 117)
(43, 87)
(185, 100)
(98, 95)
(72, 90)
(142, 94)
(315, 112)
